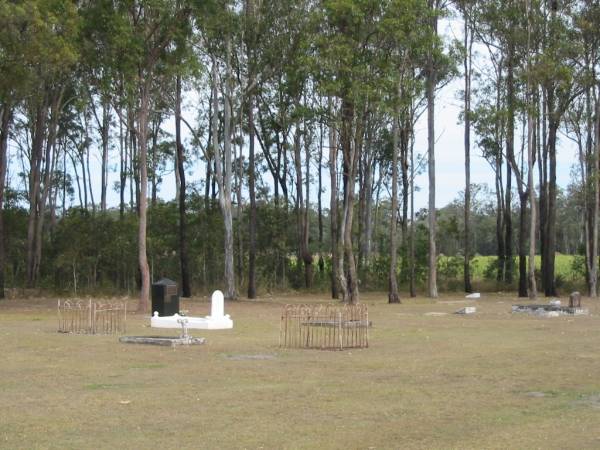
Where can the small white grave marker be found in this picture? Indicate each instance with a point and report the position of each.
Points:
(466, 310)
(217, 305)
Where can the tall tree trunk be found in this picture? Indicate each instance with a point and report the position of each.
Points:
(39, 130)
(307, 256)
(523, 244)
(549, 281)
(223, 170)
(593, 278)
(411, 252)
(405, 133)
(49, 163)
(319, 200)
(239, 176)
(252, 192)
(431, 82)
(144, 300)
(508, 228)
(333, 207)
(5, 120)
(186, 289)
(500, 221)
(251, 20)
(467, 139)
(350, 132)
(393, 296)
(532, 288)
(123, 140)
(105, 137)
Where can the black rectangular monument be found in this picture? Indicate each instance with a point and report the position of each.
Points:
(165, 297)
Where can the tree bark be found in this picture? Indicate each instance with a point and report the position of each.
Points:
(186, 289)
(549, 281)
(39, 130)
(431, 82)
(532, 288)
(144, 300)
(333, 207)
(252, 192)
(5, 121)
(223, 171)
(393, 296)
(105, 141)
(593, 278)
(467, 140)
(411, 252)
(350, 133)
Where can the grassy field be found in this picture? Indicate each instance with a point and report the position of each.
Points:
(492, 380)
(563, 268)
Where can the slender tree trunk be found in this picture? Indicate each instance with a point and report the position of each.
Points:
(393, 296)
(223, 171)
(508, 228)
(431, 82)
(186, 289)
(523, 244)
(5, 121)
(239, 176)
(105, 141)
(123, 139)
(144, 300)
(593, 286)
(349, 134)
(549, 281)
(500, 221)
(532, 288)
(319, 201)
(307, 256)
(333, 208)
(39, 128)
(405, 132)
(467, 139)
(411, 256)
(49, 163)
(252, 191)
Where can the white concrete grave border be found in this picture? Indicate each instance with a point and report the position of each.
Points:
(216, 321)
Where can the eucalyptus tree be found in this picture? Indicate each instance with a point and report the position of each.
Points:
(582, 122)
(38, 47)
(348, 58)
(406, 46)
(556, 70)
(466, 8)
(137, 38)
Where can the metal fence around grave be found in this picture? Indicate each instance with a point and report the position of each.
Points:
(91, 317)
(325, 327)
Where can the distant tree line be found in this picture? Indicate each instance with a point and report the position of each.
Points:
(289, 96)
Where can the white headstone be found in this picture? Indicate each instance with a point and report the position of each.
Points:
(466, 310)
(217, 307)
(474, 295)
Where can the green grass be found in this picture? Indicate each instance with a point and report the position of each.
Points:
(563, 266)
(492, 380)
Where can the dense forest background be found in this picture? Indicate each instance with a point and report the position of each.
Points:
(290, 98)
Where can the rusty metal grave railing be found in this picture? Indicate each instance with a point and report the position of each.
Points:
(325, 327)
(91, 317)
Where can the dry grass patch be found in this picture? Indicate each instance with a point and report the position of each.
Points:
(425, 382)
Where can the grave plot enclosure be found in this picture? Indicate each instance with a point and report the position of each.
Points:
(326, 327)
(88, 317)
